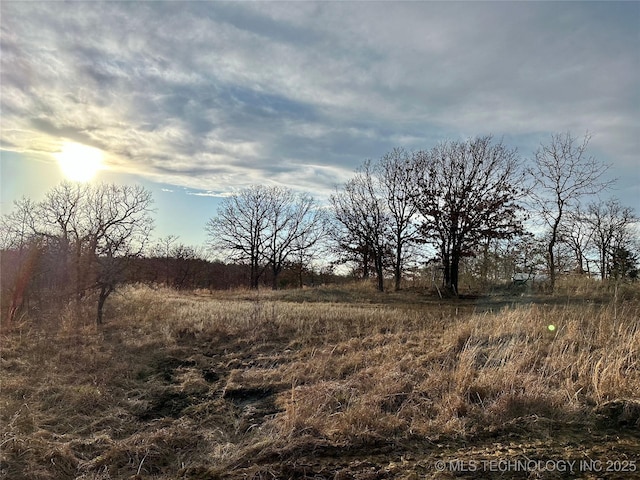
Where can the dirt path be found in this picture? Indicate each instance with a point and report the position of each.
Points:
(567, 452)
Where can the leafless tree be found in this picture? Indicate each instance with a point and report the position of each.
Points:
(239, 229)
(577, 234)
(21, 251)
(63, 221)
(562, 173)
(175, 264)
(467, 192)
(119, 224)
(164, 249)
(302, 258)
(265, 226)
(394, 172)
(188, 265)
(611, 230)
(89, 230)
(17, 227)
(363, 221)
(295, 224)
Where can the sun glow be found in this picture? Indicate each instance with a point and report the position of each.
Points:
(78, 162)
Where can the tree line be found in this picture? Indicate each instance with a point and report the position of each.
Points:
(454, 200)
(458, 201)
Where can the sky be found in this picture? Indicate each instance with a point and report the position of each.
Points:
(197, 100)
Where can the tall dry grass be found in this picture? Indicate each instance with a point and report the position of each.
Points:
(181, 385)
(478, 373)
(376, 370)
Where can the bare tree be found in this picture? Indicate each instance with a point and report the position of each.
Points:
(394, 172)
(346, 243)
(60, 221)
(563, 173)
(302, 258)
(610, 223)
(361, 213)
(119, 224)
(188, 265)
(88, 231)
(17, 227)
(466, 192)
(577, 234)
(164, 249)
(295, 224)
(266, 226)
(239, 229)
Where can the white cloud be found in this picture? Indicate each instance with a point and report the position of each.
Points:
(216, 96)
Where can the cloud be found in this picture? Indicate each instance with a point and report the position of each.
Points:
(216, 96)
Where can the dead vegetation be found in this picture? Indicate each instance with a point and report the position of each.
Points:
(325, 383)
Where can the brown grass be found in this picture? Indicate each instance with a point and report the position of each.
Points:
(242, 384)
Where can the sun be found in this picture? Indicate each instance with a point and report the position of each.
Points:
(78, 162)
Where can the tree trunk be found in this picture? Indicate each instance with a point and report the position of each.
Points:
(446, 270)
(380, 272)
(105, 291)
(484, 270)
(365, 264)
(398, 269)
(446, 274)
(580, 261)
(79, 280)
(253, 282)
(552, 266)
(453, 277)
(552, 244)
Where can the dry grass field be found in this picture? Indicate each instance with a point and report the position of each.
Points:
(326, 383)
